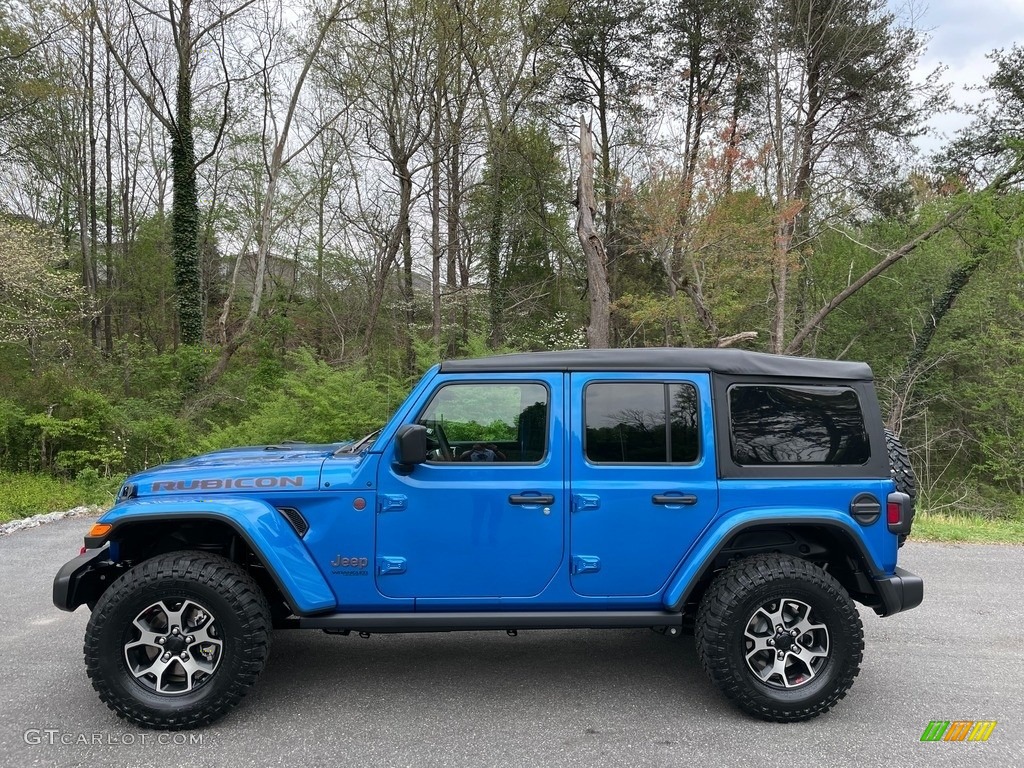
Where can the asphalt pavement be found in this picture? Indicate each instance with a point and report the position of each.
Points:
(555, 698)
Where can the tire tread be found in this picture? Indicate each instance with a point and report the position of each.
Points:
(183, 568)
(717, 611)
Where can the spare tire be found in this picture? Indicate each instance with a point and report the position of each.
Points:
(902, 471)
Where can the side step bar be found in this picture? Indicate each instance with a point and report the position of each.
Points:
(456, 621)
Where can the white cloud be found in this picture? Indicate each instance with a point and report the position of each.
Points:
(962, 34)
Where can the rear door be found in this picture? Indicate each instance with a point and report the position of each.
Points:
(642, 478)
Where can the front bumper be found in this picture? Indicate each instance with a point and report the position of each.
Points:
(83, 579)
(899, 592)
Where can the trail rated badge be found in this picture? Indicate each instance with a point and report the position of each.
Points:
(958, 730)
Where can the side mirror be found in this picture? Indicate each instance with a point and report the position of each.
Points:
(411, 444)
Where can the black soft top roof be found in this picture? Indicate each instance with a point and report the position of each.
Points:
(727, 361)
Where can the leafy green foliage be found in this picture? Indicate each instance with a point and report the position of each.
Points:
(32, 494)
(455, 148)
(316, 403)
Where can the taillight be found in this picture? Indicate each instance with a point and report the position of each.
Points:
(894, 513)
(899, 513)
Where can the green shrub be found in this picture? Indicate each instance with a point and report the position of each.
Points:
(24, 494)
(316, 403)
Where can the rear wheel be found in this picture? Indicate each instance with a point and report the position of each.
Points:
(176, 641)
(779, 637)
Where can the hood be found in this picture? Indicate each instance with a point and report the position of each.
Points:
(277, 468)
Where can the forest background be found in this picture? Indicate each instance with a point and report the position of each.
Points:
(246, 221)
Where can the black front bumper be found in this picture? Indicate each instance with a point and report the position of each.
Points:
(83, 579)
(899, 592)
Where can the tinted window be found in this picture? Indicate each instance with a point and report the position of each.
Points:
(641, 423)
(487, 423)
(796, 425)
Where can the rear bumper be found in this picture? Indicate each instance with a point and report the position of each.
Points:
(899, 592)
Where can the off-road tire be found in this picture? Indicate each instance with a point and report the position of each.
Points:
(902, 471)
(242, 623)
(724, 616)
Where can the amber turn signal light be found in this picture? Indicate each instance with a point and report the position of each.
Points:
(99, 530)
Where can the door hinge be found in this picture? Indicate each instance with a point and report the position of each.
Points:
(582, 501)
(391, 502)
(390, 565)
(586, 564)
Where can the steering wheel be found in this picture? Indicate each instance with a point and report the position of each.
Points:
(436, 435)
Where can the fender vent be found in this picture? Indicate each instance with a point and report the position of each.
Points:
(295, 519)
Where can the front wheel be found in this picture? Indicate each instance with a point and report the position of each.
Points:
(176, 642)
(780, 637)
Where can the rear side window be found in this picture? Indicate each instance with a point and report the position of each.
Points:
(640, 423)
(796, 425)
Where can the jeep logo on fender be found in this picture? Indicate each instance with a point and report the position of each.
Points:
(219, 484)
(349, 562)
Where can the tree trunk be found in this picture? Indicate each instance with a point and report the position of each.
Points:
(435, 227)
(951, 218)
(940, 308)
(94, 320)
(408, 299)
(598, 293)
(185, 205)
(108, 217)
(390, 254)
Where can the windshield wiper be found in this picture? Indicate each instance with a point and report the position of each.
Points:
(360, 445)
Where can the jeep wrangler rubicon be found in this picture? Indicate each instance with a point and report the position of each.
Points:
(747, 496)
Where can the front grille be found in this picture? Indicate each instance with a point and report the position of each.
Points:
(295, 519)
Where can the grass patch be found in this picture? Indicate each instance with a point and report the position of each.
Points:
(23, 494)
(967, 528)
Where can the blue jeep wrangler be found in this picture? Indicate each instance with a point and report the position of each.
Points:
(746, 496)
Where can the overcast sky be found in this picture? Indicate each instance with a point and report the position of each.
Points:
(962, 32)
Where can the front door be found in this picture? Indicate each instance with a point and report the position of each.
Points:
(642, 478)
(484, 516)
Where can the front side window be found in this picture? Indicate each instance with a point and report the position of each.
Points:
(771, 425)
(487, 423)
(640, 423)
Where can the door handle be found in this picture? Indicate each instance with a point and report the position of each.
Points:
(686, 500)
(544, 498)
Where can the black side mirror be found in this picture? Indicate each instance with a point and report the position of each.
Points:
(411, 444)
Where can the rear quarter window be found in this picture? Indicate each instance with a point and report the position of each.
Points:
(796, 425)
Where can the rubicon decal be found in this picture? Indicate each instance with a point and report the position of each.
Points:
(958, 730)
(228, 483)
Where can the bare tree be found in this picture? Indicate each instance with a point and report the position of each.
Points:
(598, 327)
(280, 157)
(169, 94)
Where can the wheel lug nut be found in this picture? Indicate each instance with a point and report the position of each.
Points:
(782, 655)
(174, 631)
(184, 657)
(796, 649)
(793, 632)
(161, 640)
(190, 639)
(771, 641)
(166, 657)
